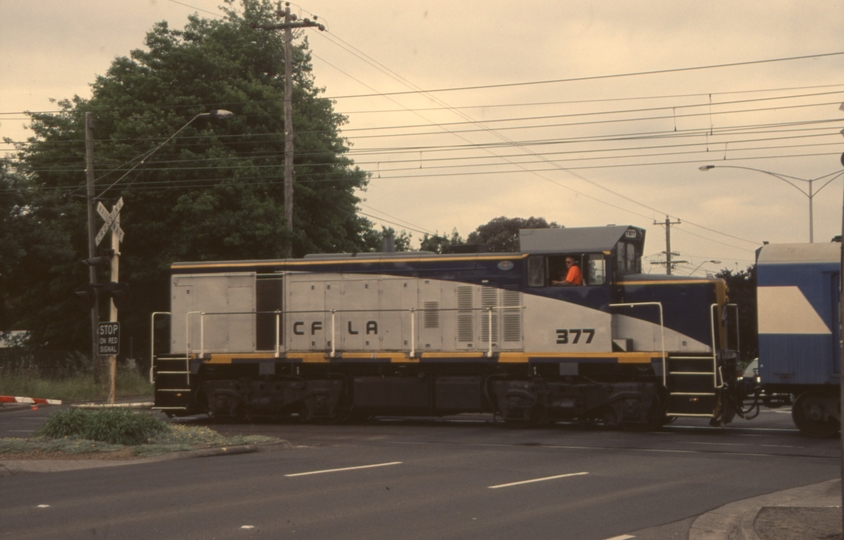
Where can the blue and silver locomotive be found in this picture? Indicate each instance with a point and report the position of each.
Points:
(330, 337)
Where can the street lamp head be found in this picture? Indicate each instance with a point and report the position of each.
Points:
(706, 167)
(222, 114)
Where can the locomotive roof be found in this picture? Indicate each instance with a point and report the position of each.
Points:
(799, 253)
(575, 239)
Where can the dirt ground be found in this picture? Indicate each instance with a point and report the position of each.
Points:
(125, 453)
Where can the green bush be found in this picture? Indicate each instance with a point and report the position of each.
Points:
(113, 426)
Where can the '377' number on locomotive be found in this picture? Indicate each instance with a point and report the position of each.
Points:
(572, 335)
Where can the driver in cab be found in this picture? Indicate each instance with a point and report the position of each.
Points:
(573, 274)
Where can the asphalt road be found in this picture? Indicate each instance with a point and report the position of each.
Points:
(463, 477)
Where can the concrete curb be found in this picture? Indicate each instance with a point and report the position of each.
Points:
(745, 529)
(16, 467)
(12, 407)
(136, 405)
(735, 521)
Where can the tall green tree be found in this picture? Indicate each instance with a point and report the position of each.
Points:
(440, 243)
(212, 191)
(502, 233)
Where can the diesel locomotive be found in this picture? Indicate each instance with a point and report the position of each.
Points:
(331, 337)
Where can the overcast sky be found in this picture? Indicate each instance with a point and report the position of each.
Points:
(611, 129)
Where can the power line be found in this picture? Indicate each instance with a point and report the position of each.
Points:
(594, 77)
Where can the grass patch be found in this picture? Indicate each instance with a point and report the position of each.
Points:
(76, 387)
(72, 446)
(79, 433)
(183, 438)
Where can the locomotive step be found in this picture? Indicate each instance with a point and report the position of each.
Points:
(680, 404)
(698, 382)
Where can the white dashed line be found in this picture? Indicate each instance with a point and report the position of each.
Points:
(345, 469)
(538, 480)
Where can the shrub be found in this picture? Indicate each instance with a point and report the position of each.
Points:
(113, 426)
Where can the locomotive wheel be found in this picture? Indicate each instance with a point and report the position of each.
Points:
(654, 419)
(812, 417)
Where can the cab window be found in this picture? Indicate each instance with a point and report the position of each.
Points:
(536, 271)
(596, 269)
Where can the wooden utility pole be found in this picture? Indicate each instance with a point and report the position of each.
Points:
(669, 264)
(92, 245)
(290, 22)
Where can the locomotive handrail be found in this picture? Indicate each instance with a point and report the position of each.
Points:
(717, 368)
(661, 332)
(333, 312)
(152, 343)
(712, 320)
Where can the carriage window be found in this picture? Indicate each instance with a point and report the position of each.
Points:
(596, 270)
(536, 271)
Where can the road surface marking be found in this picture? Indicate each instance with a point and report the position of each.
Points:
(345, 469)
(622, 537)
(538, 480)
(717, 443)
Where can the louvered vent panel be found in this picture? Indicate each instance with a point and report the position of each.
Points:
(489, 298)
(512, 318)
(432, 315)
(465, 315)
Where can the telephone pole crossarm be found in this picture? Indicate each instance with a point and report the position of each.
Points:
(305, 23)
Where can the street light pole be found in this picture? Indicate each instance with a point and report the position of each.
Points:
(790, 181)
(115, 249)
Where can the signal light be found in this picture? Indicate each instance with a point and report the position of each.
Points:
(86, 297)
(120, 294)
(101, 261)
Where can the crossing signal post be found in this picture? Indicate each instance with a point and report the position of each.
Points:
(106, 262)
(112, 221)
